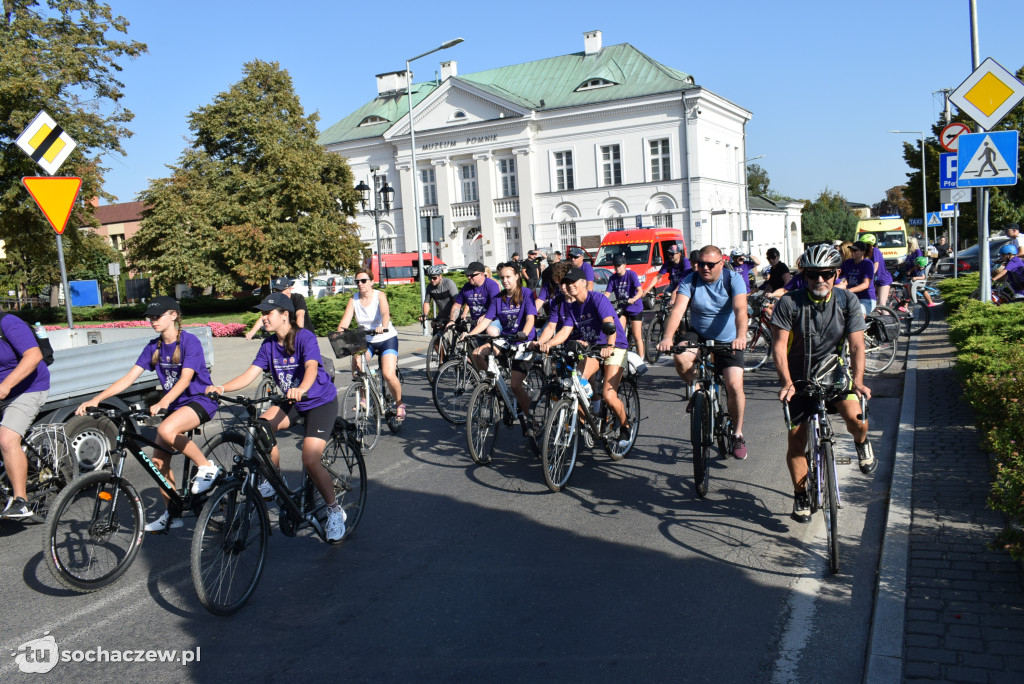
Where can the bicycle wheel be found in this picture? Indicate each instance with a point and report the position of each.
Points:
(343, 459)
(452, 389)
(483, 422)
(51, 466)
(362, 409)
(94, 531)
(917, 318)
(229, 548)
(830, 506)
(655, 331)
(759, 346)
(630, 398)
(435, 357)
(534, 384)
(561, 442)
(878, 354)
(700, 438)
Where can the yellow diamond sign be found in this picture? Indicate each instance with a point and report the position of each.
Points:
(988, 94)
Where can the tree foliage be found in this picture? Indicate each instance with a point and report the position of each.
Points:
(894, 204)
(758, 181)
(252, 196)
(828, 218)
(61, 58)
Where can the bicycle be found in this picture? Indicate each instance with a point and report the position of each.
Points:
(367, 402)
(620, 312)
(441, 345)
(573, 413)
(822, 478)
(656, 329)
(456, 380)
(710, 422)
(492, 403)
(229, 544)
(759, 331)
(881, 339)
(51, 466)
(914, 316)
(96, 524)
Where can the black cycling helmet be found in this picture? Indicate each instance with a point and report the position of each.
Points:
(820, 256)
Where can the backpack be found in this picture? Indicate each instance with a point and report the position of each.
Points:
(44, 344)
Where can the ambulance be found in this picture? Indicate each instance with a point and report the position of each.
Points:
(890, 236)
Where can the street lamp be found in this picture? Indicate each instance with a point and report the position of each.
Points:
(746, 195)
(924, 187)
(415, 171)
(381, 207)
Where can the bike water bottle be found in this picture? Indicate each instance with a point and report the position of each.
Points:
(40, 331)
(587, 389)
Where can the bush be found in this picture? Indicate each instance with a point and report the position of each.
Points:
(191, 306)
(957, 291)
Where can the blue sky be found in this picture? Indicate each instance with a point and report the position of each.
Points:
(825, 80)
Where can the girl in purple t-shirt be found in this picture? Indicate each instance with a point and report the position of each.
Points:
(859, 276)
(292, 356)
(177, 357)
(625, 286)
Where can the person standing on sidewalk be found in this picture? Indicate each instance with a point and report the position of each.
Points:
(532, 269)
(809, 324)
(284, 286)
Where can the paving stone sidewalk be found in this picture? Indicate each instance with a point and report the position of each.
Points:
(965, 602)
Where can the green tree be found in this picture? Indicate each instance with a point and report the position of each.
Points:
(253, 196)
(61, 57)
(828, 218)
(894, 204)
(758, 181)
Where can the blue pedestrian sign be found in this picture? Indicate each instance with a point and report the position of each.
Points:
(986, 159)
(947, 171)
(934, 219)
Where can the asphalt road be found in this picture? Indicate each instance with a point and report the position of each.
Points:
(460, 572)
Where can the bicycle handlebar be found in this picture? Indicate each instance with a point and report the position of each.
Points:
(708, 346)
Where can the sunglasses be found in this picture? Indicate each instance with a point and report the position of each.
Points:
(823, 275)
(150, 319)
(360, 281)
(706, 264)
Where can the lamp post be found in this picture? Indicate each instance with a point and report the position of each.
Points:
(383, 196)
(415, 172)
(924, 187)
(746, 195)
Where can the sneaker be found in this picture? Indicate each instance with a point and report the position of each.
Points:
(205, 477)
(623, 443)
(164, 523)
(933, 304)
(335, 527)
(739, 447)
(866, 456)
(16, 508)
(902, 309)
(801, 507)
(267, 490)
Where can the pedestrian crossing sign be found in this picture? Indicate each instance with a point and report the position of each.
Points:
(934, 220)
(986, 159)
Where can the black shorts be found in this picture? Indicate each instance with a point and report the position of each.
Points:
(802, 407)
(319, 419)
(631, 317)
(723, 360)
(204, 417)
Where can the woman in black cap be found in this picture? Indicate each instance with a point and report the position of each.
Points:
(177, 357)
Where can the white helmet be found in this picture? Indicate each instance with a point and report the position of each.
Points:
(820, 256)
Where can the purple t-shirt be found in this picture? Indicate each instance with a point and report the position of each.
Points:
(18, 339)
(1015, 274)
(744, 270)
(478, 298)
(854, 274)
(288, 371)
(676, 272)
(168, 372)
(511, 317)
(586, 319)
(882, 275)
(625, 287)
(797, 281)
(588, 271)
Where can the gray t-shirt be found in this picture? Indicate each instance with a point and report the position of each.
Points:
(816, 329)
(443, 295)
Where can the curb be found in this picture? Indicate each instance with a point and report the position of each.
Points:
(885, 640)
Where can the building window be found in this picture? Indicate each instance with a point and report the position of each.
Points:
(507, 171)
(511, 239)
(564, 179)
(117, 242)
(373, 120)
(591, 84)
(613, 224)
(611, 165)
(467, 173)
(661, 168)
(663, 220)
(429, 182)
(567, 234)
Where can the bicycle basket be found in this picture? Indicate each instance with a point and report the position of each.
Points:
(832, 374)
(883, 328)
(347, 342)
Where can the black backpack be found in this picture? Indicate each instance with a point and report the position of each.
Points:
(44, 344)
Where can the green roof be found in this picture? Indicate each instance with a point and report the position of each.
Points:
(538, 86)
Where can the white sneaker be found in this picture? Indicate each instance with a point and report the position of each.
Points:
(205, 477)
(164, 523)
(335, 527)
(267, 490)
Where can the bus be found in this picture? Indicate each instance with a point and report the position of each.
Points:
(400, 268)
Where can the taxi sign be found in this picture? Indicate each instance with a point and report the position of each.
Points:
(46, 143)
(988, 94)
(949, 137)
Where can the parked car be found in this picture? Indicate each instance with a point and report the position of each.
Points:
(320, 287)
(337, 284)
(967, 260)
(601, 276)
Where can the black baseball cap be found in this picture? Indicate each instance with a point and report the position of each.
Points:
(276, 301)
(574, 274)
(281, 284)
(576, 252)
(160, 305)
(474, 268)
(618, 260)
(558, 252)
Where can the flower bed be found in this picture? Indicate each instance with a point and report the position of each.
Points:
(219, 329)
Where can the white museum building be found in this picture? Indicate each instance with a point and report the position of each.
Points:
(557, 152)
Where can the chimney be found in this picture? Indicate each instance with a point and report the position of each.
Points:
(393, 81)
(94, 202)
(449, 69)
(591, 42)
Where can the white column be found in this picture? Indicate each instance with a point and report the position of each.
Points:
(443, 177)
(493, 237)
(525, 181)
(405, 221)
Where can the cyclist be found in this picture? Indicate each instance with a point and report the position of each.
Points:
(177, 357)
(372, 313)
(718, 311)
(778, 273)
(676, 266)
(743, 265)
(809, 324)
(292, 356)
(858, 276)
(551, 298)
(1012, 269)
(916, 276)
(515, 310)
(590, 318)
(625, 285)
(441, 291)
(577, 257)
(883, 279)
(24, 384)
(1012, 231)
(474, 299)
(284, 286)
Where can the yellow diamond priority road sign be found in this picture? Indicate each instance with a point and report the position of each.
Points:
(46, 143)
(988, 94)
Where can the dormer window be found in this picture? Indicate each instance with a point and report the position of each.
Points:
(372, 120)
(593, 84)
(458, 116)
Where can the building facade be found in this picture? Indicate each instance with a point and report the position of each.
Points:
(551, 153)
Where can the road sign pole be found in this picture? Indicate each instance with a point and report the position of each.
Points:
(956, 226)
(64, 280)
